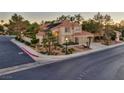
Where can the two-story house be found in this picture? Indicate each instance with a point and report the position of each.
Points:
(71, 30)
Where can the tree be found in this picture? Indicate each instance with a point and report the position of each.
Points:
(105, 22)
(32, 29)
(99, 18)
(49, 40)
(61, 18)
(72, 18)
(94, 27)
(91, 26)
(78, 18)
(108, 29)
(16, 24)
(107, 19)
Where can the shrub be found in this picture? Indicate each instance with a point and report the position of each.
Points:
(113, 36)
(32, 45)
(44, 52)
(63, 50)
(27, 43)
(122, 38)
(17, 38)
(59, 45)
(34, 41)
(21, 40)
(69, 51)
(70, 43)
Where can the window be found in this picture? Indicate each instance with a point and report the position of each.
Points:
(67, 30)
(77, 29)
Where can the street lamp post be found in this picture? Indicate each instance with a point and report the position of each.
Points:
(21, 34)
(56, 35)
(66, 48)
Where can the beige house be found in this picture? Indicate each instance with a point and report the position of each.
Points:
(40, 35)
(67, 29)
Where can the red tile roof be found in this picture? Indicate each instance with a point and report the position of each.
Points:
(67, 24)
(40, 33)
(64, 23)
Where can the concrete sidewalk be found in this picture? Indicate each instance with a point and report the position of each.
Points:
(42, 58)
(95, 45)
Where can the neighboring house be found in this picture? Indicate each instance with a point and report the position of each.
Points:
(118, 35)
(68, 29)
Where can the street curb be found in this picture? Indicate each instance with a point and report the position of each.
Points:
(14, 69)
(64, 57)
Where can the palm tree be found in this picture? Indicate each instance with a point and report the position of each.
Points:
(49, 40)
(78, 18)
(99, 18)
(61, 18)
(72, 18)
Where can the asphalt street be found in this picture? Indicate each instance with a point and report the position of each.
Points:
(11, 55)
(104, 65)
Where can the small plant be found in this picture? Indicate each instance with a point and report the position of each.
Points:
(122, 38)
(69, 51)
(70, 43)
(34, 41)
(21, 40)
(27, 43)
(17, 38)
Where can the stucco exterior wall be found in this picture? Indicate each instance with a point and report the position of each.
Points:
(40, 39)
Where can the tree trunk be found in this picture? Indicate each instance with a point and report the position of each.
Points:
(49, 50)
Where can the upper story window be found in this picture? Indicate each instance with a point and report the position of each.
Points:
(67, 30)
(77, 29)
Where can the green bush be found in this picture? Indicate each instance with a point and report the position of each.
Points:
(32, 46)
(21, 40)
(122, 38)
(59, 45)
(69, 51)
(34, 41)
(113, 36)
(44, 52)
(17, 38)
(70, 43)
(63, 50)
(123, 33)
(27, 43)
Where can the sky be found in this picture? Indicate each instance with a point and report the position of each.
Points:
(39, 16)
